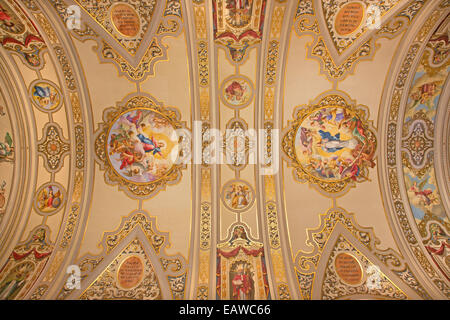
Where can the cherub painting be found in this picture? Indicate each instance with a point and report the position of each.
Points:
(422, 194)
(238, 196)
(237, 92)
(242, 286)
(142, 145)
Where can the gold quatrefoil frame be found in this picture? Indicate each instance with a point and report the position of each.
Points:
(368, 143)
(141, 190)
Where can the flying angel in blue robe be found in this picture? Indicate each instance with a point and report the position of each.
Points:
(334, 143)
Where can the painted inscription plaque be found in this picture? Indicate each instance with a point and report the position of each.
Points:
(125, 20)
(349, 18)
(131, 272)
(348, 269)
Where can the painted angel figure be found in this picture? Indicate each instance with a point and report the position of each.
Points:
(424, 95)
(6, 149)
(331, 144)
(150, 145)
(426, 195)
(306, 139)
(437, 234)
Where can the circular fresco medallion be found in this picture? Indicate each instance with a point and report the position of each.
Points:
(131, 272)
(332, 144)
(348, 269)
(45, 95)
(237, 92)
(238, 195)
(125, 19)
(349, 18)
(50, 198)
(142, 145)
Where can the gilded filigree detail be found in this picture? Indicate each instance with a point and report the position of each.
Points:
(272, 225)
(205, 226)
(144, 10)
(176, 264)
(417, 143)
(338, 72)
(71, 223)
(283, 292)
(341, 59)
(39, 292)
(109, 286)
(334, 288)
(202, 293)
(153, 54)
(177, 286)
(271, 61)
(305, 282)
(53, 147)
(331, 9)
(203, 63)
(156, 240)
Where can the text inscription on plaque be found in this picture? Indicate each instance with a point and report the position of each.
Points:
(349, 18)
(348, 269)
(125, 19)
(131, 272)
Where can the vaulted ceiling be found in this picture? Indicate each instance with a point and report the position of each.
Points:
(224, 149)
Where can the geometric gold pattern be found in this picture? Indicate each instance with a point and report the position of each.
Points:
(53, 147)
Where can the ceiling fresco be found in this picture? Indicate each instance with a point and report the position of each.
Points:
(224, 150)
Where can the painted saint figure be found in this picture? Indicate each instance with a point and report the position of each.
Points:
(48, 199)
(14, 281)
(242, 283)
